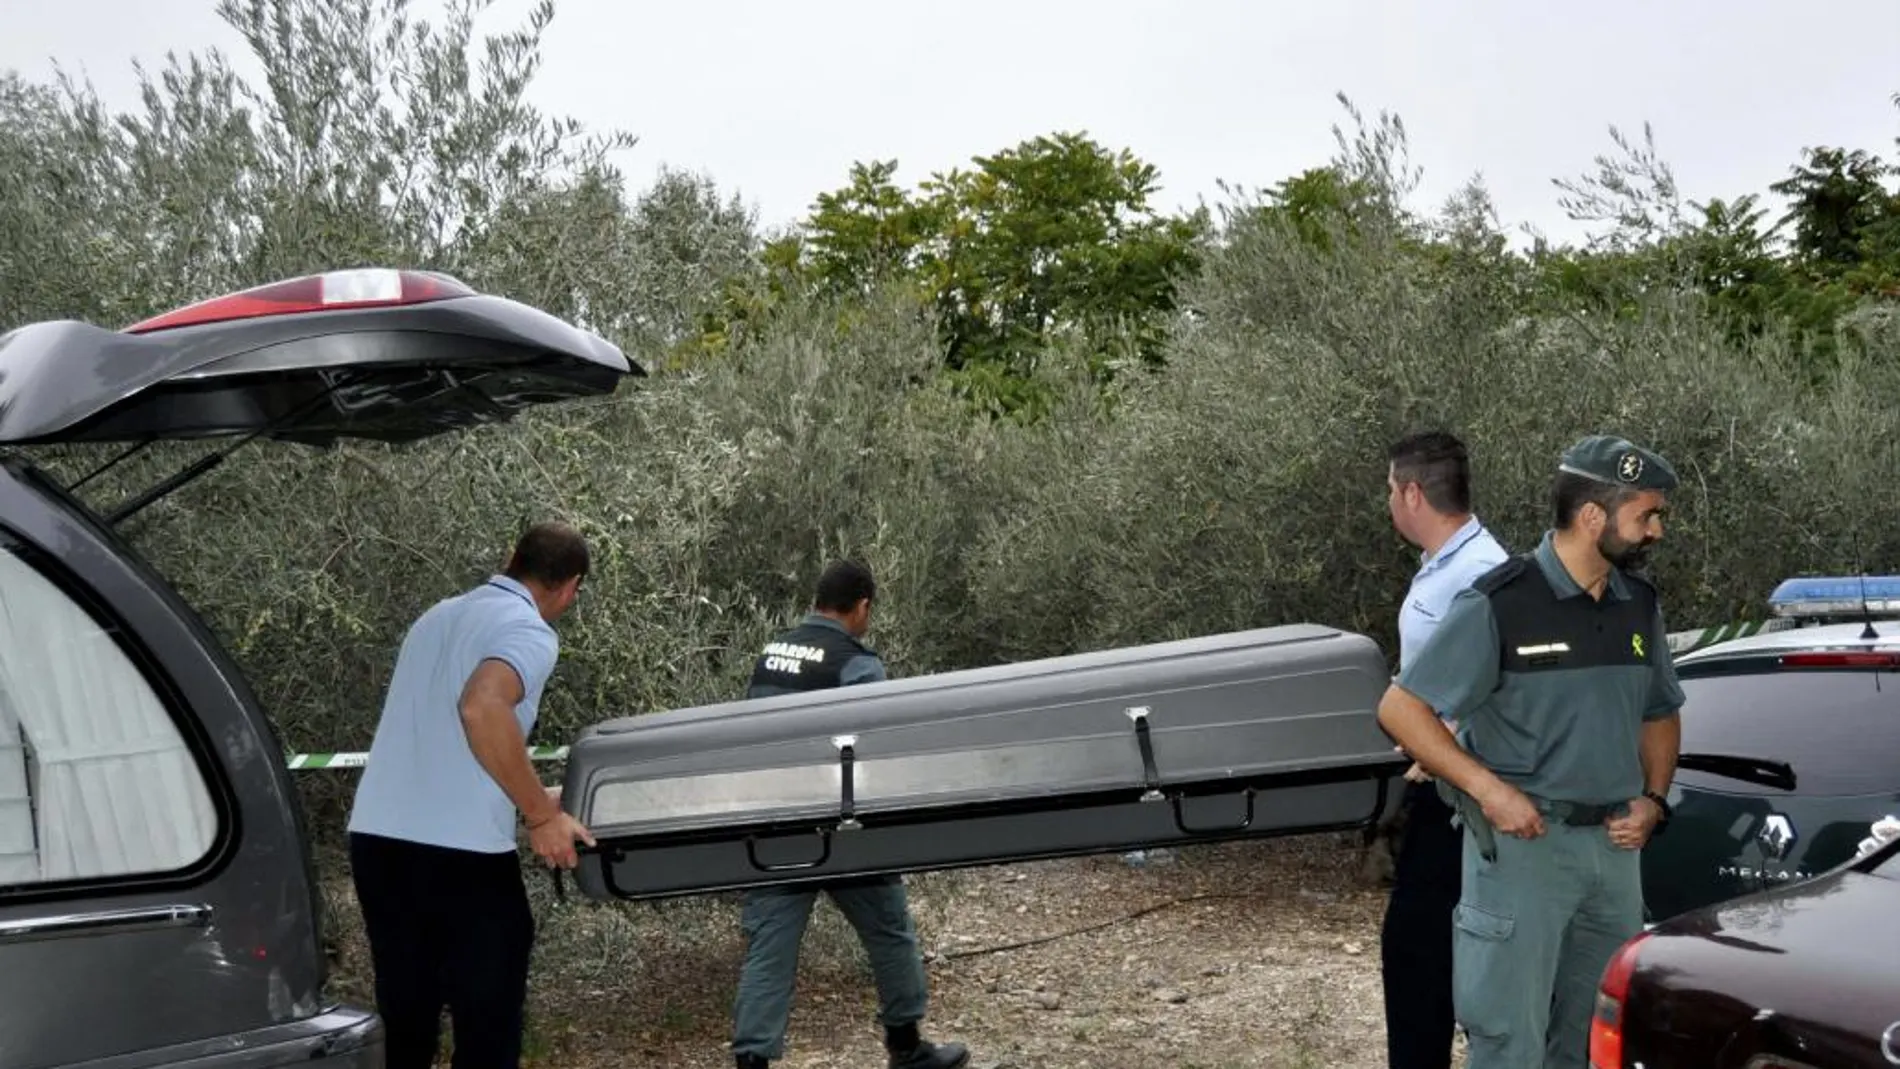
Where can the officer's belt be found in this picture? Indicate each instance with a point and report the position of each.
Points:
(1471, 815)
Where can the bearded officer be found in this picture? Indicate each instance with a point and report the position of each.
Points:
(826, 650)
(1555, 665)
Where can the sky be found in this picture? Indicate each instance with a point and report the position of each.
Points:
(776, 100)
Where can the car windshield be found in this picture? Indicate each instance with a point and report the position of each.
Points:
(1836, 729)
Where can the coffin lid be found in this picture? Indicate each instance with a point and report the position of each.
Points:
(377, 354)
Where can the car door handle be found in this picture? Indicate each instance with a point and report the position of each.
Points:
(101, 922)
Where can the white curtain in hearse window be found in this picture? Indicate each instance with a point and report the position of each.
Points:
(19, 857)
(113, 790)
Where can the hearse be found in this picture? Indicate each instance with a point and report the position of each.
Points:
(158, 906)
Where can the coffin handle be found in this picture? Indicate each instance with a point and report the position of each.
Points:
(1214, 829)
(1150, 776)
(824, 855)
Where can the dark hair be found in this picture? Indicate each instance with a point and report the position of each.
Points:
(549, 553)
(844, 584)
(1438, 463)
(1570, 492)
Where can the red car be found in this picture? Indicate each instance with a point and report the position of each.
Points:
(1804, 976)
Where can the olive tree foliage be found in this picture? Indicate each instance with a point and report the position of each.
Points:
(371, 138)
(386, 138)
(109, 217)
(1245, 487)
(687, 245)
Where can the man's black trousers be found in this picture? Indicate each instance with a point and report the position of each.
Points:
(447, 928)
(1415, 942)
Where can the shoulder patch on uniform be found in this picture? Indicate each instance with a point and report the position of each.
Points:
(1496, 579)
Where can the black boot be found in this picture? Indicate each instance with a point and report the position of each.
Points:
(911, 1051)
(751, 1061)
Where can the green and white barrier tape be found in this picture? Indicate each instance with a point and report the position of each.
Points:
(1684, 641)
(1679, 642)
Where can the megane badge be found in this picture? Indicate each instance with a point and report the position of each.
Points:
(1776, 836)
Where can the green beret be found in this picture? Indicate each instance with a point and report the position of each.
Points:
(1609, 459)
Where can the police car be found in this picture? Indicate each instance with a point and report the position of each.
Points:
(1789, 744)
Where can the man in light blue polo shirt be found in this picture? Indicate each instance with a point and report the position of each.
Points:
(1429, 494)
(432, 833)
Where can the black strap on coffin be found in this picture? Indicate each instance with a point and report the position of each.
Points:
(847, 759)
(1150, 776)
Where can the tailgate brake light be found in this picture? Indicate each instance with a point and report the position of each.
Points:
(327, 292)
(1606, 1028)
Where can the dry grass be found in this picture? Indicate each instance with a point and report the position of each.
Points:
(1261, 954)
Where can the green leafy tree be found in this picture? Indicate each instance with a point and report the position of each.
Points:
(1839, 207)
(1654, 245)
(1322, 206)
(864, 234)
(1054, 236)
(1050, 246)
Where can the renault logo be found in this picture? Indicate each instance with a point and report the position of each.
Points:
(1776, 836)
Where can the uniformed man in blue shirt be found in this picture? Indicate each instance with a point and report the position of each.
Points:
(432, 834)
(1429, 497)
(1556, 667)
(824, 650)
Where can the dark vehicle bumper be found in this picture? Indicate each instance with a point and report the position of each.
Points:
(342, 1037)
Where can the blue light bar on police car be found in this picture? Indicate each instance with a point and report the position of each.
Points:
(1836, 595)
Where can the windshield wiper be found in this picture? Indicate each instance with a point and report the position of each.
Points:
(1777, 774)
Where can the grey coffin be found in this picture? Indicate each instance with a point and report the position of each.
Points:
(1248, 734)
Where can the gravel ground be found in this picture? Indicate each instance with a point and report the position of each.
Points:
(1261, 954)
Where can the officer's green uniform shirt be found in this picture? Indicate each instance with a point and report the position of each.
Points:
(1558, 710)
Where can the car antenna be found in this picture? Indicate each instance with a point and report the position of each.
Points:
(1866, 611)
(1867, 633)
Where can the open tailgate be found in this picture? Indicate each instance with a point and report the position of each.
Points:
(376, 354)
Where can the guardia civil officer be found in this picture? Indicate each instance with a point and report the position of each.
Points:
(1428, 480)
(826, 650)
(1556, 667)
